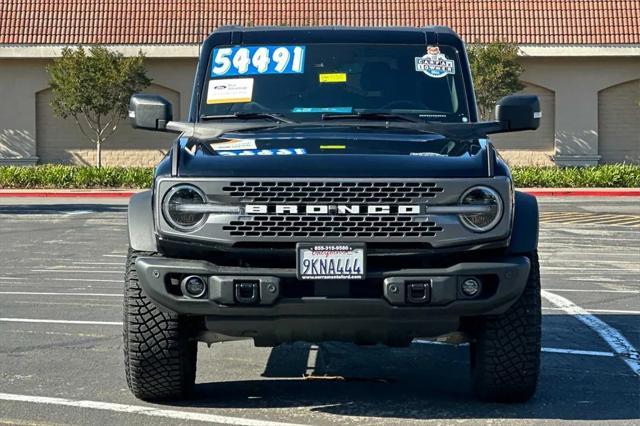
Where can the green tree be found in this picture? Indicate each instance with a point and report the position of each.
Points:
(93, 88)
(496, 73)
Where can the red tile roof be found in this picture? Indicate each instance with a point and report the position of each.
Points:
(186, 21)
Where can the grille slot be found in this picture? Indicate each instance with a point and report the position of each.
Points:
(332, 192)
(375, 226)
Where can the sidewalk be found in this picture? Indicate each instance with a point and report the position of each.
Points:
(117, 193)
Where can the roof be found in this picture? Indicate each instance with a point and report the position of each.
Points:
(524, 22)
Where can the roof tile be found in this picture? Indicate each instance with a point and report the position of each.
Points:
(188, 21)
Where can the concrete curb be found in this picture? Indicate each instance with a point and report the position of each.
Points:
(115, 193)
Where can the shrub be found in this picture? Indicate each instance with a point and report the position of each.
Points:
(58, 176)
(605, 176)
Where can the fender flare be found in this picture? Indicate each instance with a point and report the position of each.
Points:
(524, 236)
(140, 222)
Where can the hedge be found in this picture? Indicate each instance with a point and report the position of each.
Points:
(57, 176)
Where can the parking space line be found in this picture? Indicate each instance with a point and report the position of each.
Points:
(76, 270)
(614, 339)
(54, 321)
(577, 352)
(602, 311)
(543, 349)
(581, 290)
(37, 293)
(139, 409)
(93, 280)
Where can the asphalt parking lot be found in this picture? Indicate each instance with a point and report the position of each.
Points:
(61, 349)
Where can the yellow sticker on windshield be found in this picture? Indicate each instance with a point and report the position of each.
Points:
(340, 77)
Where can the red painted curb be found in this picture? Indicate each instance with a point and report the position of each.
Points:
(588, 193)
(94, 194)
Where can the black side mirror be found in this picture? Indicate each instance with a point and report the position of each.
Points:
(518, 112)
(151, 112)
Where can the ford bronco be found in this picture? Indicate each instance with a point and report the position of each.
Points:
(333, 184)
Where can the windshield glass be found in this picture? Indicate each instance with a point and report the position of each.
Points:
(303, 82)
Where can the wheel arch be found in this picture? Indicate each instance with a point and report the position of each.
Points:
(524, 236)
(140, 222)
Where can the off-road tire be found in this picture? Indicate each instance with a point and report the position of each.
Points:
(159, 349)
(505, 353)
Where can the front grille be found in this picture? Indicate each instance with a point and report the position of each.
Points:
(360, 226)
(331, 192)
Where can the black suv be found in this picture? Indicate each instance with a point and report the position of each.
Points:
(333, 184)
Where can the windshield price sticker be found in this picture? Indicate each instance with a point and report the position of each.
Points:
(251, 152)
(229, 91)
(253, 60)
(435, 64)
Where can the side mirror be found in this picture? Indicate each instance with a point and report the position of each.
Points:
(151, 112)
(518, 112)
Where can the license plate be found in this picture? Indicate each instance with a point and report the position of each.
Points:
(331, 261)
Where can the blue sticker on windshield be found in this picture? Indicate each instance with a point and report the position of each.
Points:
(252, 60)
(250, 152)
(342, 110)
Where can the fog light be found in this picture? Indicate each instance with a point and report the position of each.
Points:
(194, 286)
(471, 287)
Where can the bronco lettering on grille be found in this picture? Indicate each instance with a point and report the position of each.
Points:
(341, 209)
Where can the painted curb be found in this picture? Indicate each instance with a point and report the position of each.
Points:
(582, 192)
(542, 192)
(69, 194)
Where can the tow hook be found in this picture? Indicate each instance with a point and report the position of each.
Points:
(247, 293)
(418, 292)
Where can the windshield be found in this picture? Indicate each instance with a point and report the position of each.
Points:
(305, 82)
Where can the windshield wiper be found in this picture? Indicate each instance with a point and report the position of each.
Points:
(376, 116)
(248, 116)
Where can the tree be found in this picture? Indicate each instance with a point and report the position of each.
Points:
(94, 89)
(496, 73)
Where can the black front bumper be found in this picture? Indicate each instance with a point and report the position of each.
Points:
(275, 318)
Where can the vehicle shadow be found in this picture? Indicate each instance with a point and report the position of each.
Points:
(422, 382)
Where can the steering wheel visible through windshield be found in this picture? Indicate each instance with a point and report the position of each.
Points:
(302, 82)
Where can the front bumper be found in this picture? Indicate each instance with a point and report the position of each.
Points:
(276, 317)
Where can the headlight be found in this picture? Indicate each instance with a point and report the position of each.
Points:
(178, 207)
(485, 208)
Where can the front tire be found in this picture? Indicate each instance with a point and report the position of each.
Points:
(159, 349)
(505, 354)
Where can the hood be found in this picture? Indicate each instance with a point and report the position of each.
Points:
(336, 152)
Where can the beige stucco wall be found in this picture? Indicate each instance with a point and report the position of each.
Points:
(28, 129)
(576, 82)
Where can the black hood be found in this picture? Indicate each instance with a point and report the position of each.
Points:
(335, 152)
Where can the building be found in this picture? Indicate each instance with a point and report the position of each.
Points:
(581, 57)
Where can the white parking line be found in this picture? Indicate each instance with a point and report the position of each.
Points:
(53, 321)
(115, 255)
(36, 293)
(614, 339)
(601, 311)
(140, 409)
(543, 349)
(582, 290)
(93, 280)
(76, 270)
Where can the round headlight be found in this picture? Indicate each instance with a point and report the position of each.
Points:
(487, 212)
(179, 207)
